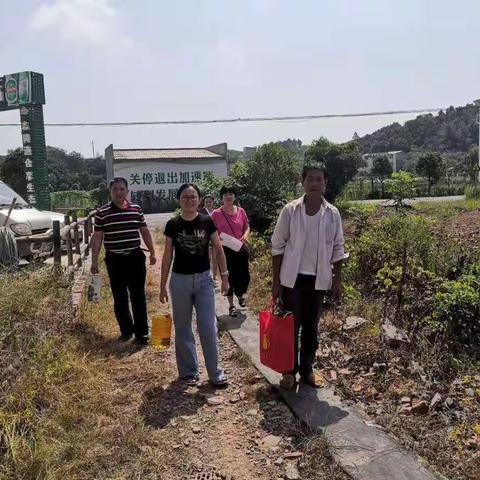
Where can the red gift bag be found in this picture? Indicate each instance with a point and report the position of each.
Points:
(277, 340)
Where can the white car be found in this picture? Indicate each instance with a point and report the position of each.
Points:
(27, 220)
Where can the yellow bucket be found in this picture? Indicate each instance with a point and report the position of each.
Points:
(161, 331)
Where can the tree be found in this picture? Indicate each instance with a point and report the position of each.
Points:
(342, 162)
(400, 186)
(381, 170)
(71, 171)
(12, 171)
(265, 182)
(65, 170)
(452, 130)
(430, 166)
(471, 165)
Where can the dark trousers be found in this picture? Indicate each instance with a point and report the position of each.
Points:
(127, 276)
(238, 271)
(306, 304)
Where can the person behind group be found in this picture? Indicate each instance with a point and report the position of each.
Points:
(307, 241)
(207, 208)
(119, 225)
(208, 205)
(232, 220)
(187, 239)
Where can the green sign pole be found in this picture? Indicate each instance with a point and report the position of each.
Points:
(33, 137)
(25, 91)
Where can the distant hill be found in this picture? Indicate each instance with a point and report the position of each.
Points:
(452, 130)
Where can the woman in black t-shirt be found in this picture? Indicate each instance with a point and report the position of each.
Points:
(187, 239)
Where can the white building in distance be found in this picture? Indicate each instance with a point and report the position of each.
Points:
(155, 174)
(397, 159)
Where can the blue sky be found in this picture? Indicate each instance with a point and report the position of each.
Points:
(114, 60)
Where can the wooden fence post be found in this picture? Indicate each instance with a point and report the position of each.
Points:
(90, 233)
(86, 229)
(57, 244)
(68, 241)
(76, 235)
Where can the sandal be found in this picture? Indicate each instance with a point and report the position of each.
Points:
(242, 302)
(288, 381)
(223, 382)
(314, 379)
(232, 311)
(191, 381)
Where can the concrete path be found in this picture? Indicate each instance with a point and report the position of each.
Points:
(157, 220)
(365, 452)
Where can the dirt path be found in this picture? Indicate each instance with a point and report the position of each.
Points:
(156, 428)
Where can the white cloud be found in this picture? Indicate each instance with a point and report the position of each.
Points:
(83, 23)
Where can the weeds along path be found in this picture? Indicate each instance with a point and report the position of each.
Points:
(150, 426)
(76, 404)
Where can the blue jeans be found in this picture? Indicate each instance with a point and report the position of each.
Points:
(186, 292)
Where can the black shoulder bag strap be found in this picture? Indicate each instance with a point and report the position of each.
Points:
(228, 221)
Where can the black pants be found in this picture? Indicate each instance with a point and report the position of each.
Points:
(306, 304)
(238, 271)
(127, 276)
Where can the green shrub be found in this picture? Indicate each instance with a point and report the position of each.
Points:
(472, 192)
(400, 187)
(258, 246)
(431, 284)
(357, 189)
(385, 244)
(72, 199)
(457, 310)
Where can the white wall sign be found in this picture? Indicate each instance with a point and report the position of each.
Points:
(163, 177)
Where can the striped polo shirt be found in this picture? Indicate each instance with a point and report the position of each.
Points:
(120, 226)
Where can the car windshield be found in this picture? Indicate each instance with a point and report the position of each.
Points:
(7, 195)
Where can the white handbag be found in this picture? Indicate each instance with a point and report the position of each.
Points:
(231, 242)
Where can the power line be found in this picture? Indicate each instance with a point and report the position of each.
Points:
(233, 120)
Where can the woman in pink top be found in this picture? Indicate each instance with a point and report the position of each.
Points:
(233, 221)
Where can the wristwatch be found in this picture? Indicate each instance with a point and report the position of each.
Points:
(224, 274)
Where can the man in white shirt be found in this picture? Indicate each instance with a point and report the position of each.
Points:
(307, 251)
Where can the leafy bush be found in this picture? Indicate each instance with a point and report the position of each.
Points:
(357, 189)
(432, 285)
(258, 246)
(99, 196)
(211, 184)
(264, 183)
(72, 199)
(457, 310)
(472, 191)
(386, 243)
(400, 186)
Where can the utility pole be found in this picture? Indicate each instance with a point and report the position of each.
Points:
(93, 150)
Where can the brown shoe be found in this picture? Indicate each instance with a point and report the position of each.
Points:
(314, 379)
(288, 381)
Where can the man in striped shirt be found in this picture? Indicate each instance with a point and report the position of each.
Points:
(118, 225)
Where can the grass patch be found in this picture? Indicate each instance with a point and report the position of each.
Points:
(446, 210)
(46, 414)
(69, 405)
(259, 293)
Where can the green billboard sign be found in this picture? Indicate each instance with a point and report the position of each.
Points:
(25, 91)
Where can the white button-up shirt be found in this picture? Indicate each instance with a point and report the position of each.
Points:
(289, 240)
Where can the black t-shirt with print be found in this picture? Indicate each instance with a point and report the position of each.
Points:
(191, 239)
